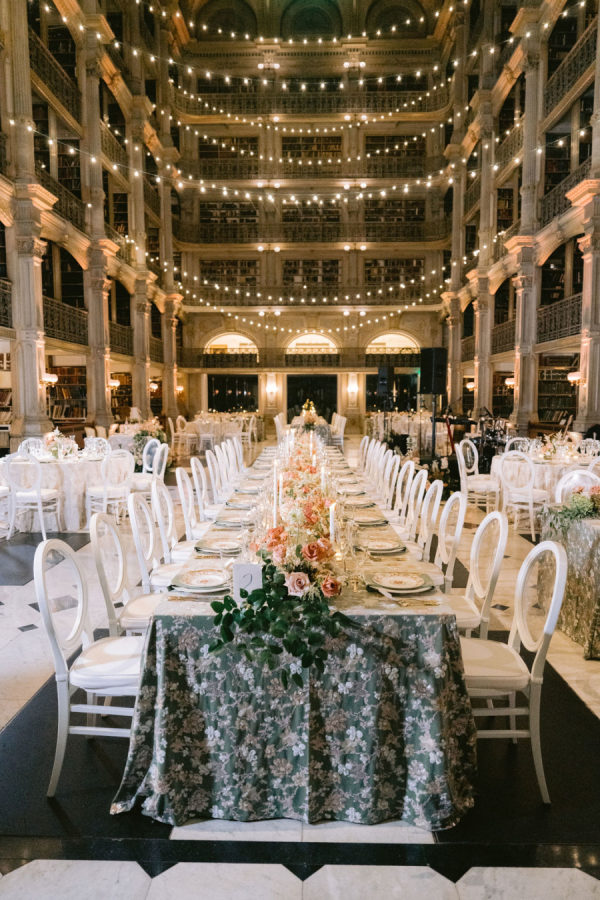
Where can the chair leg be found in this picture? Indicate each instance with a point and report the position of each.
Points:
(13, 515)
(41, 515)
(532, 521)
(91, 717)
(62, 690)
(536, 745)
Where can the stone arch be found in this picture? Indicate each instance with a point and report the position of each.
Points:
(311, 18)
(227, 15)
(410, 341)
(383, 14)
(221, 335)
(326, 341)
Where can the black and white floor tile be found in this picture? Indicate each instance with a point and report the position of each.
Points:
(509, 846)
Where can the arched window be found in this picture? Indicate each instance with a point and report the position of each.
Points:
(231, 343)
(392, 342)
(406, 17)
(221, 17)
(311, 18)
(311, 342)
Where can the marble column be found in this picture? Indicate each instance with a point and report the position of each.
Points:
(140, 307)
(483, 340)
(454, 381)
(169, 329)
(529, 188)
(525, 395)
(141, 348)
(588, 407)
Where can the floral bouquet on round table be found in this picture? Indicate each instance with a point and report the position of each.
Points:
(309, 415)
(59, 445)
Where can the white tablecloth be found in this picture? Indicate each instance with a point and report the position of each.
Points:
(547, 472)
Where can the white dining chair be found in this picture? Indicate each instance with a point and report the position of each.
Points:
(97, 446)
(26, 494)
(421, 546)
(449, 534)
(31, 447)
(156, 464)
(494, 670)
(472, 605)
(336, 438)
(402, 492)
(522, 444)
(389, 483)
(215, 478)
(101, 431)
(517, 476)
(89, 432)
(475, 485)
(163, 508)
(575, 479)
(362, 453)
(413, 511)
(194, 528)
(107, 668)
(208, 510)
(155, 574)
(111, 494)
(128, 611)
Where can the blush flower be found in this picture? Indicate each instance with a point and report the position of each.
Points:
(331, 586)
(297, 583)
(312, 552)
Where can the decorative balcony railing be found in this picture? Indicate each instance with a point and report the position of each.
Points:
(156, 350)
(511, 146)
(3, 154)
(467, 349)
(306, 103)
(111, 148)
(472, 194)
(66, 323)
(555, 202)
(402, 166)
(503, 337)
(407, 359)
(5, 302)
(151, 198)
(339, 292)
(121, 338)
(307, 232)
(272, 357)
(125, 251)
(52, 74)
(68, 205)
(559, 320)
(147, 36)
(371, 167)
(510, 232)
(579, 59)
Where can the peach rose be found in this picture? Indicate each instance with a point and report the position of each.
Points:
(312, 552)
(326, 548)
(331, 586)
(279, 553)
(297, 583)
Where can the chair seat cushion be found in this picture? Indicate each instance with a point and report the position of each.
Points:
(182, 551)
(200, 529)
(29, 496)
(141, 481)
(521, 495)
(162, 576)
(111, 664)
(136, 614)
(482, 483)
(111, 492)
(467, 615)
(490, 665)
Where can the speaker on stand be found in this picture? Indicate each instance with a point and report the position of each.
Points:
(434, 363)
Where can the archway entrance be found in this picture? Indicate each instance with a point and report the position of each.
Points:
(321, 389)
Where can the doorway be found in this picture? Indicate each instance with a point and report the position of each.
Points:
(321, 389)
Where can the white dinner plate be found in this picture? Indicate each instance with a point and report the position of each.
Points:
(200, 579)
(351, 491)
(240, 504)
(218, 545)
(401, 582)
(360, 503)
(382, 545)
(366, 518)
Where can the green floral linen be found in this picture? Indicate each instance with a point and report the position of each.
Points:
(385, 733)
(580, 613)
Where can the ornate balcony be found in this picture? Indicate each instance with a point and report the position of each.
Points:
(511, 146)
(467, 349)
(151, 198)
(559, 320)
(372, 167)
(472, 194)
(5, 302)
(121, 338)
(503, 337)
(579, 59)
(275, 358)
(407, 359)
(156, 350)
(111, 148)
(291, 232)
(555, 202)
(125, 251)
(401, 166)
(53, 76)
(66, 323)
(68, 205)
(315, 104)
(342, 293)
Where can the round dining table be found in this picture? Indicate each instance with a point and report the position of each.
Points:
(548, 472)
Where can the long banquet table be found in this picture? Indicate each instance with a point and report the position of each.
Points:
(386, 732)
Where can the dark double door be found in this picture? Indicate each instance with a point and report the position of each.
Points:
(321, 389)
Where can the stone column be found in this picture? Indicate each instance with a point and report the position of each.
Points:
(454, 381)
(529, 188)
(140, 307)
(483, 339)
(169, 328)
(525, 338)
(588, 407)
(141, 348)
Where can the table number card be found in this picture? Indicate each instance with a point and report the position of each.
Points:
(247, 577)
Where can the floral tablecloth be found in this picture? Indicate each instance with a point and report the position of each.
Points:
(580, 613)
(385, 733)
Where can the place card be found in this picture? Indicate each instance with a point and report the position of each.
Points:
(247, 577)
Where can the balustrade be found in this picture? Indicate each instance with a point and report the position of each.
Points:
(555, 202)
(65, 323)
(156, 350)
(151, 198)
(121, 338)
(503, 337)
(111, 148)
(347, 294)
(308, 232)
(5, 302)
(580, 58)
(371, 167)
(68, 205)
(273, 358)
(472, 194)
(467, 347)
(53, 76)
(511, 146)
(559, 320)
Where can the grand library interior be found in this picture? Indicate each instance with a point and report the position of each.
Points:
(299, 449)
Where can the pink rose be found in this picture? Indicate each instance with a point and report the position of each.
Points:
(312, 552)
(331, 586)
(279, 553)
(297, 583)
(326, 548)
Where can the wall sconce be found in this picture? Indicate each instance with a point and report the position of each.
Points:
(153, 387)
(271, 387)
(470, 385)
(179, 389)
(47, 378)
(352, 386)
(114, 383)
(509, 382)
(575, 377)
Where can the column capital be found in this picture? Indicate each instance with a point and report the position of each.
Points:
(590, 241)
(143, 306)
(523, 281)
(31, 246)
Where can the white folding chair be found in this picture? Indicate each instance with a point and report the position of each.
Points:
(174, 550)
(472, 604)
(194, 529)
(479, 487)
(110, 557)
(449, 535)
(495, 670)
(571, 481)
(25, 492)
(111, 495)
(109, 667)
(154, 574)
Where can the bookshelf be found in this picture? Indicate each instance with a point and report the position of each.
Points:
(311, 215)
(311, 271)
(504, 209)
(67, 399)
(502, 396)
(62, 47)
(557, 397)
(121, 399)
(394, 271)
(316, 147)
(225, 147)
(40, 140)
(586, 108)
(156, 397)
(553, 278)
(560, 42)
(227, 213)
(242, 272)
(3, 269)
(69, 172)
(557, 161)
(71, 279)
(394, 211)
(120, 210)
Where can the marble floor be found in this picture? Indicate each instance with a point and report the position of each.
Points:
(266, 859)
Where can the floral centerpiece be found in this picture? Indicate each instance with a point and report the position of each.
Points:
(309, 415)
(141, 438)
(59, 445)
(291, 611)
